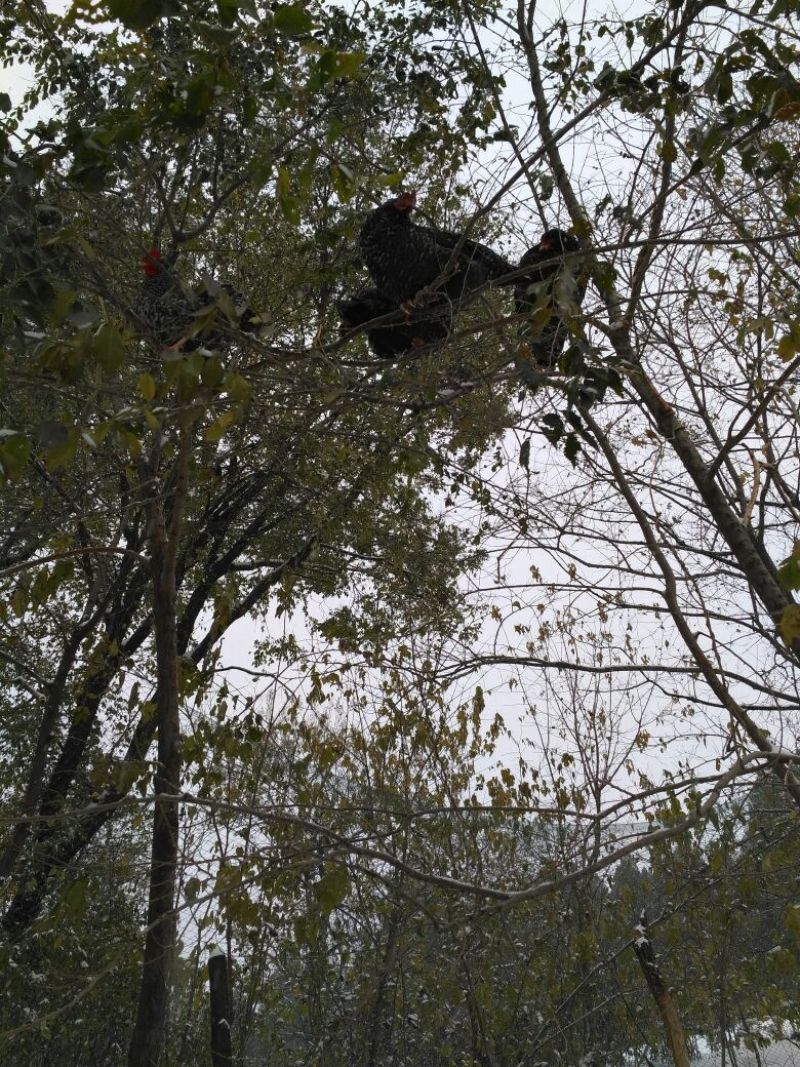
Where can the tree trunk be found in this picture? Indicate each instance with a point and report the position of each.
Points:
(676, 1038)
(149, 1031)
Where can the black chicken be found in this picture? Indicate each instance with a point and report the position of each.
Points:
(403, 258)
(548, 289)
(390, 339)
(184, 318)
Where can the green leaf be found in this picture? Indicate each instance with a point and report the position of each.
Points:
(724, 86)
(324, 70)
(142, 13)
(290, 205)
(343, 181)
(348, 63)
(790, 623)
(148, 710)
(213, 372)
(782, 961)
(108, 347)
(192, 888)
(305, 930)
(127, 772)
(293, 20)
(146, 386)
(62, 304)
(221, 425)
(61, 455)
(572, 448)
(788, 347)
(228, 10)
(15, 450)
(789, 570)
(331, 889)
(778, 151)
(75, 899)
(218, 34)
(238, 388)
(130, 440)
(19, 601)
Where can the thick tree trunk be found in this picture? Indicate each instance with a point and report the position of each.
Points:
(149, 1031)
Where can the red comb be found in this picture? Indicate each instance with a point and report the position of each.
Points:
(407, 201)
(150, 261)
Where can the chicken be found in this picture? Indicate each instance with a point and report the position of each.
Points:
(185, 318)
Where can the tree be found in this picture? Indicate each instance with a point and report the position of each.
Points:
(640, 552)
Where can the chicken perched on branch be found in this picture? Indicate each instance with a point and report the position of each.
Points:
(439, 268)
(186, 318)
(402, 333)
(548, 294)
(404, 258)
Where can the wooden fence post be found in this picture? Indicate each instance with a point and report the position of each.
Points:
(219, 997)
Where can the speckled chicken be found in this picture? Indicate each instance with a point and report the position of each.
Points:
(546, 292)
(410, 332)
(404, 258)
(187, 318)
